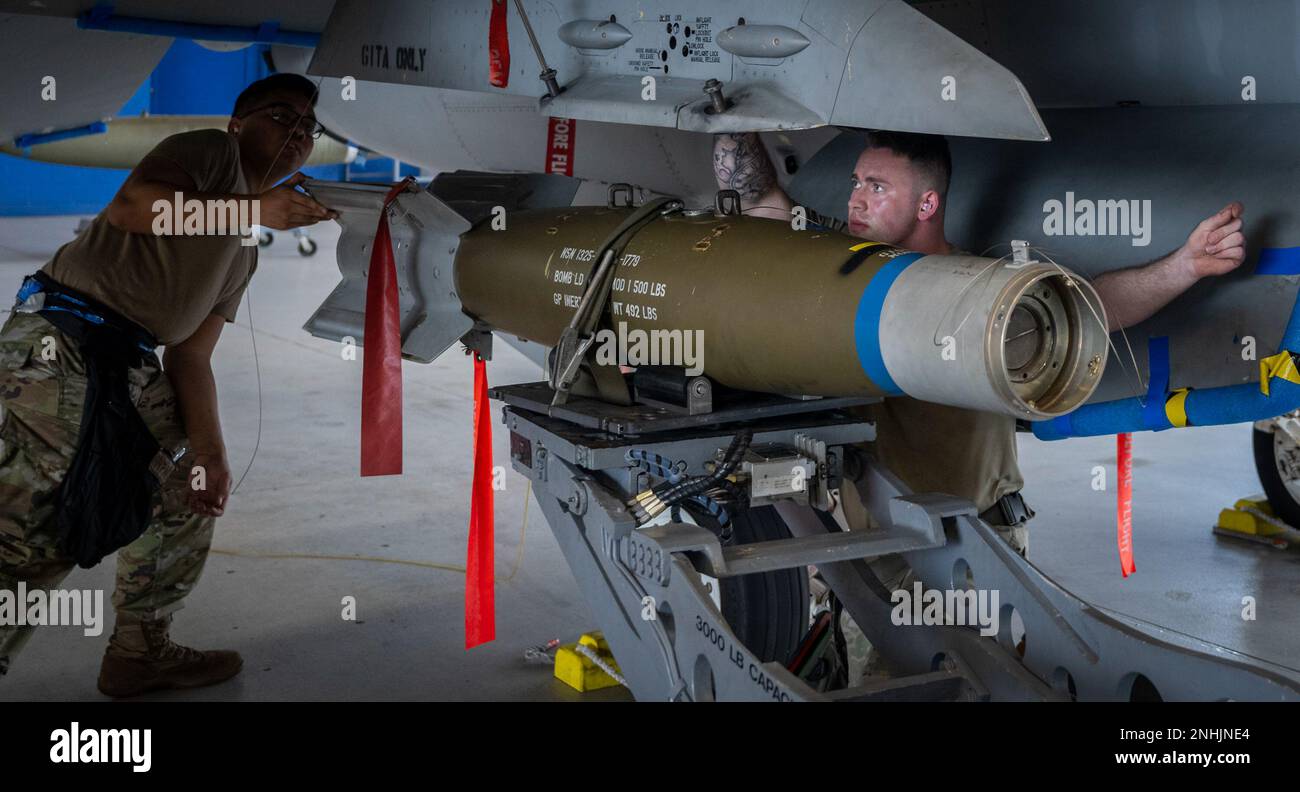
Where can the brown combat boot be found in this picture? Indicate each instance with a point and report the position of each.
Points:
(141, 657)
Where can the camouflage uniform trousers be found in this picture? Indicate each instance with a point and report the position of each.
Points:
(42, 389)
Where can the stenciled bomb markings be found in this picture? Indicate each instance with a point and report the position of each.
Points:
(638, 288)
(624, 346)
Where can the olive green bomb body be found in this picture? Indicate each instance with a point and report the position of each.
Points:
(778, 309)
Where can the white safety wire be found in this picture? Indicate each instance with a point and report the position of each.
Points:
(248, 302)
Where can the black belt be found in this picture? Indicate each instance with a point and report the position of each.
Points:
(76, 313)
(1010, 509)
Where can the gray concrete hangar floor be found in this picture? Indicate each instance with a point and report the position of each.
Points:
(387, 541)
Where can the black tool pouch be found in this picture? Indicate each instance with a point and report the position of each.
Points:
(106, 498)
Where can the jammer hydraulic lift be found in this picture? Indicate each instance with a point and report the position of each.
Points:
(681, 648)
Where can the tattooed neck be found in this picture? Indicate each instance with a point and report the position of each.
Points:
(741, 164)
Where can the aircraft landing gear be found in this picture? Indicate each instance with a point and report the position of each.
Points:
(1277, 461)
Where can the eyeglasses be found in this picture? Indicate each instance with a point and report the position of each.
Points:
(283, 115)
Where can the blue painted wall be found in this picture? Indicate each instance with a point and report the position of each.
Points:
(188, 80)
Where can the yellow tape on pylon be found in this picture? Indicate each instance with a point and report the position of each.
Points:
(1176, 407)
(1281, 365)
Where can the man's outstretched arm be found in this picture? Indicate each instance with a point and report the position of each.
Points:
(741, 163)
(1215, 247)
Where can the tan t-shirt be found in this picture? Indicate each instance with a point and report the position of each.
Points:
(934, 448)
(167, 284)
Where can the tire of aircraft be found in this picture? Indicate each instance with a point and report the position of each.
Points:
(768, 611)
(1284, 506)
